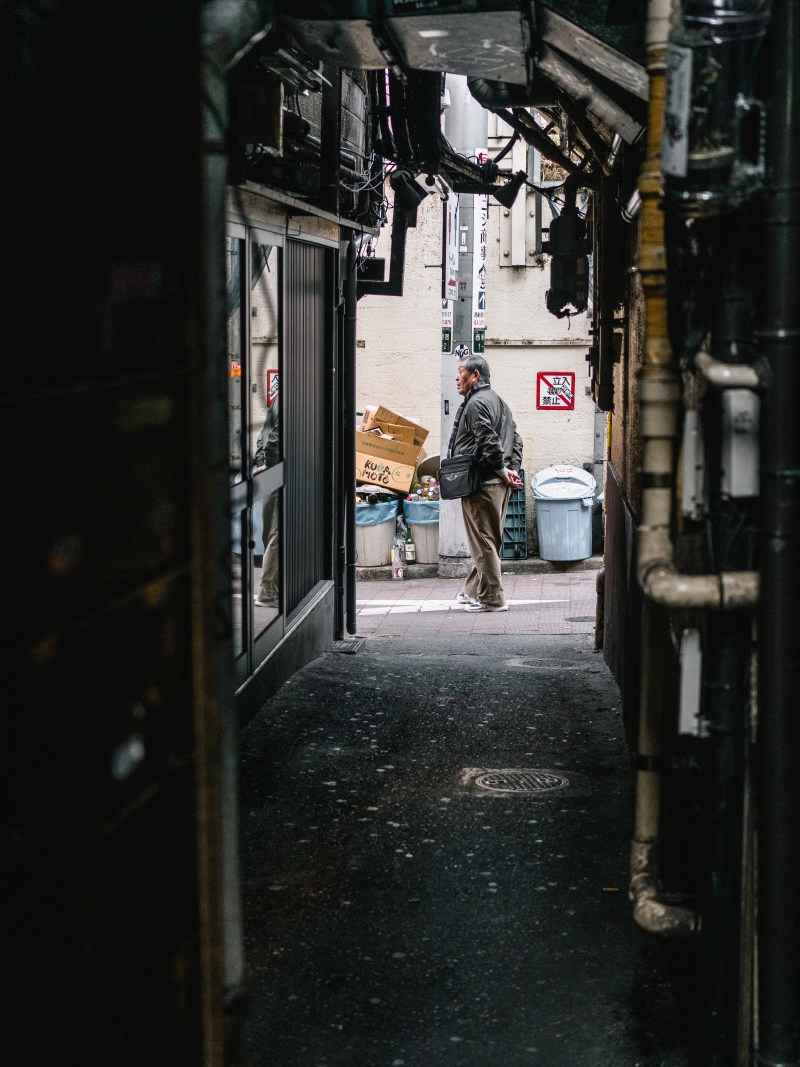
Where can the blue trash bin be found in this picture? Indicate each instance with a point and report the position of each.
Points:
(423, 518)
(375, 525)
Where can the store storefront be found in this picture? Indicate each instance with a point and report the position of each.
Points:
(282, 352)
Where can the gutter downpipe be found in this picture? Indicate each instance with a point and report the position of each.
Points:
(349, 432)
(661, 582)
(778, 736)
(659, 396)
(725, 758)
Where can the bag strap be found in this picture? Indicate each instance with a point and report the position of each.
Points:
(454, 431)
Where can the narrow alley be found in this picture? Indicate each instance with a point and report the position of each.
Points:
(436, 824)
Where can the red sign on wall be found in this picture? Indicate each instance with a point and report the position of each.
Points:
(555, 391)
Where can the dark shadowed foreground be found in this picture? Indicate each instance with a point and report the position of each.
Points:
(405, 907)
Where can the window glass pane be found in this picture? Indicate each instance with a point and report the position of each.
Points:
(234, 256)
(239, 604)
(267, 560)
(264, 395)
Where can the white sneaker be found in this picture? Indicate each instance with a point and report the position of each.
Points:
(477, 606)
(462, 598)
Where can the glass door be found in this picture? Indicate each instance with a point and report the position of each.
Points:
(255, 264)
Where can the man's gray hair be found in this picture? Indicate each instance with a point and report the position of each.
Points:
(477, 363)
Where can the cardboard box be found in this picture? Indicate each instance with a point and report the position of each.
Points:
(398, 432)
(388, 449)
(386, 417)
(383, 461)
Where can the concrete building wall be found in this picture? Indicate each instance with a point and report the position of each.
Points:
(399, 339)
(399, 346)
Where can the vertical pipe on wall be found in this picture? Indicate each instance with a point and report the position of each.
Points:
(779, 551)
(726, 680)
(659, 393)
(605, 257)
(339, 474)
(349, 432)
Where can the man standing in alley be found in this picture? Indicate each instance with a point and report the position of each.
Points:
(485, 428)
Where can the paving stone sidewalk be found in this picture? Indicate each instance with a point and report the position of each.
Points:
(538, 604)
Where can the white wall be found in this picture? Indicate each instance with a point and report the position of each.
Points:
(399, 339)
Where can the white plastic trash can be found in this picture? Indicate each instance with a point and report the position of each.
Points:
(375, 526)
(564, 496)
(422, 517)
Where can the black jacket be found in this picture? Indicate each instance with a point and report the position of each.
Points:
(483, 430)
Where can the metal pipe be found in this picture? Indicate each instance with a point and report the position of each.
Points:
(726, 673)
(650, 911)
(659, 396)
(716, 592)
(340, 474)
(724, 375)
(349, 432)
(633, 207)
(659, 389)
(538, 139)
(778, 739)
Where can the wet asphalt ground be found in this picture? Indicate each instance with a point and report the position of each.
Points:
(399, 913)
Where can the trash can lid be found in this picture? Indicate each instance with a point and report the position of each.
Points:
(563, 482)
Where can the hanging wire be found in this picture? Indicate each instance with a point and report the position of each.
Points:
(504, 152)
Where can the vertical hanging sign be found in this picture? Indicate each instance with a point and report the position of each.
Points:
(479, 272)
(450, 246)
(447, 326)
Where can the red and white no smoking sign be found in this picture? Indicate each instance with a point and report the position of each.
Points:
(555, 391)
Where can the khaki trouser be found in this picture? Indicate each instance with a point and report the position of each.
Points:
(484, 518)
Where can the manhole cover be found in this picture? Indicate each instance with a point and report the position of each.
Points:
(522, 781)
(545, 664)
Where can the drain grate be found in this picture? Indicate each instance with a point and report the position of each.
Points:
(522, 781)
(349, 647)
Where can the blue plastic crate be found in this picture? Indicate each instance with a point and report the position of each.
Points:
(515, 531)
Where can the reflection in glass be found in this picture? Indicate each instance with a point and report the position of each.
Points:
(264, 426)
(237, 529)
(234, 252)
(267, 575)
(253, 354)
